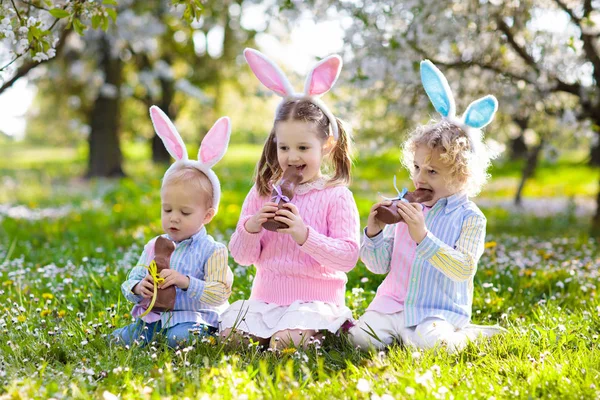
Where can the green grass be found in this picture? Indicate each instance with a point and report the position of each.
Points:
(60, 296)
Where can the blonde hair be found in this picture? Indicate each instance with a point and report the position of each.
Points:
(468, 162)
(268, 169)
(192, 178)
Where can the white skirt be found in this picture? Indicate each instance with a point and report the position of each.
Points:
(265, 319)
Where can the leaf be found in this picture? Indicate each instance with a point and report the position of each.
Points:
(59, 13)
(78, 26)
(112, 13)
(105, 23)
(96, 20)
(110, 2)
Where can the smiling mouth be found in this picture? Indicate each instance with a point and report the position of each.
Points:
(300, 168)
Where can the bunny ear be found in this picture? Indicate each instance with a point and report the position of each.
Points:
(323, 76)
(166, 131)
(268, 73)
(437, 89)
(481, 112)
(214, 144)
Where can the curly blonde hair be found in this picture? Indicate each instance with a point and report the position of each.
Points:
(468, 162)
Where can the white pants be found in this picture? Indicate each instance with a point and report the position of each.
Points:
(377, 330)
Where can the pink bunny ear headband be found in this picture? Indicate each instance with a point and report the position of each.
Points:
(321, 78)
(212, 148)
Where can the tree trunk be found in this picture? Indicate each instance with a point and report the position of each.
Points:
(518, 148)
(105, 153)
(595, 152)
(529, 169)
(160, 155)
(595, 233)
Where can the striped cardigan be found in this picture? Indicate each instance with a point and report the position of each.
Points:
(205, 262)
(434, 278)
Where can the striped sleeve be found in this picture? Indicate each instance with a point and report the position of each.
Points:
(136, 274)
(458, 263)
(376, 252)
(215, 289)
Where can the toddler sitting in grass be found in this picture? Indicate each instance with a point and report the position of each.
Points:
(431, 257)
(199, 270)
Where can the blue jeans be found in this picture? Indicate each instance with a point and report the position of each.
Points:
(176, 334)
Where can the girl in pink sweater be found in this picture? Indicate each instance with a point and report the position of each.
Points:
(300, 282)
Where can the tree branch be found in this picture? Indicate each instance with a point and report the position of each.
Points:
(34, 5)
(570, 12)
(467, 64)
(17, 11)
(587, 8)
(24, 69)
(521, 51)
(589, 47)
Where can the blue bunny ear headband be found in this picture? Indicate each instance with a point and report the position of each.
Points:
(478, 114)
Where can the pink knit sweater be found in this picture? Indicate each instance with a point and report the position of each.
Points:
(316, 271)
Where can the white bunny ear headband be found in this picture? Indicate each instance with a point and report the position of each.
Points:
(321, 78)
(212, 149)
(478, 114)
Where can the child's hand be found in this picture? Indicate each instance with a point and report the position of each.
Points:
(145, 287)
(296, 227)
(412, 213)
(254, 224)
(172, 277)
(374, 226)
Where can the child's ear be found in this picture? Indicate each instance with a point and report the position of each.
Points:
(210, 213)
(328, 145)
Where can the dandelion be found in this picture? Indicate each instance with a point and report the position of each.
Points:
(363, 386)
(288, 351)
(426, 379)
(109, 396)
(45, 313)
(47, 296)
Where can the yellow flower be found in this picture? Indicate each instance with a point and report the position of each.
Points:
(48, 296)
(117, 208)
(7, 283)
(490, 244)
(289, 350)
(211, 340)
(126, 316)
(45, 313)
(61, 313)
(21, 318)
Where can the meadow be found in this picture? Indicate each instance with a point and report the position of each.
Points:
(67, 244)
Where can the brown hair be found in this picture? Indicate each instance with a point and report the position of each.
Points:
(268, 169)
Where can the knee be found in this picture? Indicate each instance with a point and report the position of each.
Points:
(293, 338)
(430, 334)
(226, 333)
(177, 337)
